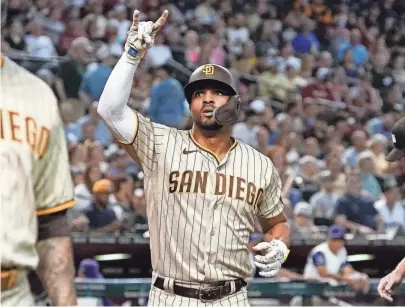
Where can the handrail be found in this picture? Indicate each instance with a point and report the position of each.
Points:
(257, 287)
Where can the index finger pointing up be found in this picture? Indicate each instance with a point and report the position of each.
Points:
(160, 22)
(135, 19)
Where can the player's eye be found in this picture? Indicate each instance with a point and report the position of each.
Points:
(220, 92)
(198, 93)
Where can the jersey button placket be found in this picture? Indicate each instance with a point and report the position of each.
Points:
(222, 163)
(209, 232)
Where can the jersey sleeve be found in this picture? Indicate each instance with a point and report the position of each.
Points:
(272, 204)
(345, 264)
(53, 185)
(318, 259)
(143, 146)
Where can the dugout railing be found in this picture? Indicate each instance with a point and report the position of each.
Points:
(257, 288)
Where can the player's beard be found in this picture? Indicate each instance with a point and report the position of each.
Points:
(208, 124)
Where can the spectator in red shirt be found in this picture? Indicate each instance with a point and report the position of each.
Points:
(74, 29)
(321, 87)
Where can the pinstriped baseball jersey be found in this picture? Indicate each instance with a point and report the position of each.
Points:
(34, 169)
(201, 210)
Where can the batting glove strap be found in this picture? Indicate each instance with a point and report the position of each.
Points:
(133, 56)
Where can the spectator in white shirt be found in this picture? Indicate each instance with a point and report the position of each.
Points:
(82, 191)
(120, 14)
(390, 207)
(247, 130)
(39, 45)
(96, 8)
(238, 34)
(111, 35)
(54, 24)
(324, 202)
(303, 215)
(304, 219)
(205, 12)
(286, 54)
(160, 53)
(329, 260)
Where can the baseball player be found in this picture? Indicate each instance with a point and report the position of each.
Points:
(35, 190)
(390, 283)
(203, 188)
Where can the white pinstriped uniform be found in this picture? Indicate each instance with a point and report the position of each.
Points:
(34, 168)
(199, 226)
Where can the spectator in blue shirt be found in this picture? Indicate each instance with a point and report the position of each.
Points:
(72, 129)
(101, 134)
(355, 210)
(359, 51)
(369, 181)
(306, 41)
(94, 80)
(359, 144)
(167, 101)
(382, 125)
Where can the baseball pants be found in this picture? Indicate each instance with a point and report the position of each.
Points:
(20, 294)
(158, 297)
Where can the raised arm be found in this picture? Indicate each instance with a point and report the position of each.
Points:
(113, 107)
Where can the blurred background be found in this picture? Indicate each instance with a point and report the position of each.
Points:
(322, 83)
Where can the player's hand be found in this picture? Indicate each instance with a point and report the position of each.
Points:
(389, 284)
(366, 230)
(273, 255)
(366, 283)
(141, 36)
(359, 282)
(80, 223)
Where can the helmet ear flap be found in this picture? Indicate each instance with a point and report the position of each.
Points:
(228, 113)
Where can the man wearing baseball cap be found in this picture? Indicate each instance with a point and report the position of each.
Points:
(102, 218)
(391, 282)
(328, 260)
(90, 269)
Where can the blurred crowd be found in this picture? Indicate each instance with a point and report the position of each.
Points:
(322, 83)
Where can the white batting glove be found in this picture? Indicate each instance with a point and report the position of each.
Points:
(141, 36)
(274, 253)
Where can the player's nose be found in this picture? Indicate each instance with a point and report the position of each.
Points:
(208, 97)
